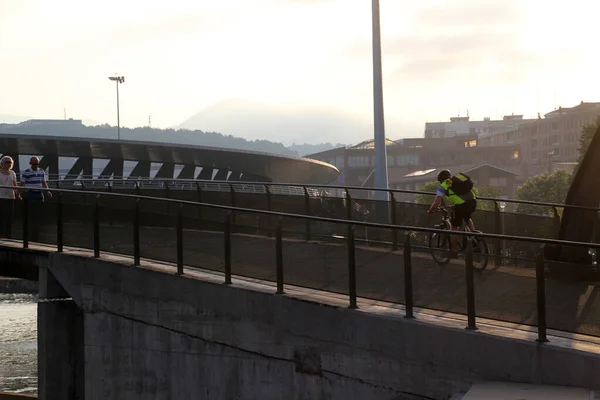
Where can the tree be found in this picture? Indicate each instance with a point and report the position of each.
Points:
(548, 188)
(487, 191)
(480, 191)
(430, 186)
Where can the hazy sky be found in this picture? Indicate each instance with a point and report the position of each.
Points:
(295, 57)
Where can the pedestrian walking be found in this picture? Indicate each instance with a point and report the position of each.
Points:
(7, 196)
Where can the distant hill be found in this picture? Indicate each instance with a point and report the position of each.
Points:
(254, 120)
(179, 136)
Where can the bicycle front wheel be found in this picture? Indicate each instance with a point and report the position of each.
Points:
(439, 246)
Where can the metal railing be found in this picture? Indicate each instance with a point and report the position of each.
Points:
(501, 254)
(351, 225)
(267, 187)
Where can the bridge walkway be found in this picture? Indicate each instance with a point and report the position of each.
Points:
(388, 309)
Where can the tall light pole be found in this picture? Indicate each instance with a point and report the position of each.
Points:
(381, 179)
(118, 80)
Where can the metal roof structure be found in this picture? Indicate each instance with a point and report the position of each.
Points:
(74, 157)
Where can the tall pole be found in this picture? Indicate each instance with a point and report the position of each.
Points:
(118, 117)
(118, 80)
(381, 180)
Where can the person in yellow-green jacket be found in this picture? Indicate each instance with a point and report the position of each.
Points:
(458, 190)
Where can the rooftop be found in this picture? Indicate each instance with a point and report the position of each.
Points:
(431, 174)
(581, 107)
(69, 121)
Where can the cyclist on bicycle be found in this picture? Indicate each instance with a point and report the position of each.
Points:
(464, 201)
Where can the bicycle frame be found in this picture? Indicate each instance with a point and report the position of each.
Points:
(463, 242)
(447, 224)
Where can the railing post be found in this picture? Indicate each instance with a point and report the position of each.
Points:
(307, 212)
(348, 205)
(393, 218)
(279, 256)
(541, 295)
(470, 285)
(167, 190)
(269, 208)
(59, 223)
(136, 233)
(97, 227)
(180, 241)
(408, 287)
(351, 268)
(227, 237)
(556, 220)
(232, 198)
(498, 230)
(25, 222)
(199, 199)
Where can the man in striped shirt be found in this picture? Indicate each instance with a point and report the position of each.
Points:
(35, 178)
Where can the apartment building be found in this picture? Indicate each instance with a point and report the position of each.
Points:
(463, 126)
(547, 143)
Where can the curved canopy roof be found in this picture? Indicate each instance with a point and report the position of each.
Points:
(274, 168)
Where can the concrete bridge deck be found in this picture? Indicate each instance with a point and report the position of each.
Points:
(101, 289)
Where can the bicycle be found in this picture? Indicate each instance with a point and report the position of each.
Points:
(440, 244)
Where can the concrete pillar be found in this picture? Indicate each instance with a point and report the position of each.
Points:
(60, 342)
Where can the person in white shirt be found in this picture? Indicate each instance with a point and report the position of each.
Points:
(7, 196)
(34, 180)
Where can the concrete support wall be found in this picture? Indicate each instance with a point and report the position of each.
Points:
(60, 342)
(155, 335)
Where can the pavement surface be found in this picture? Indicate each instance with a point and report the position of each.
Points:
(516, 391)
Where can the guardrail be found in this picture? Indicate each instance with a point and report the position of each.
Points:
(264, 187)
(501, 253)
(351, 225)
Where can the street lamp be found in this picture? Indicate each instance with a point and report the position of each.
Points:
(118, 79)
(381, 180)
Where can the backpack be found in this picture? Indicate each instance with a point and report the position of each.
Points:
(461, 183)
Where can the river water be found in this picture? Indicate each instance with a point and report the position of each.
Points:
(18, 343)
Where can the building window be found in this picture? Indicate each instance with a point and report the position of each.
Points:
(407, 159)
(358, 161)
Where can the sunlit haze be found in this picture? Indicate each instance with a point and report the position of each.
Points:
(306, 63)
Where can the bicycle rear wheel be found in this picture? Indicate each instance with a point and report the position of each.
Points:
(481, 255)
(439, 246)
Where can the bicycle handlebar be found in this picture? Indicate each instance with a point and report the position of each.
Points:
(444, 208)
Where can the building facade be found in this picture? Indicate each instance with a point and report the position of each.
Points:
(483, 174)
(409, 156)
(547, 143)
(463, 126)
